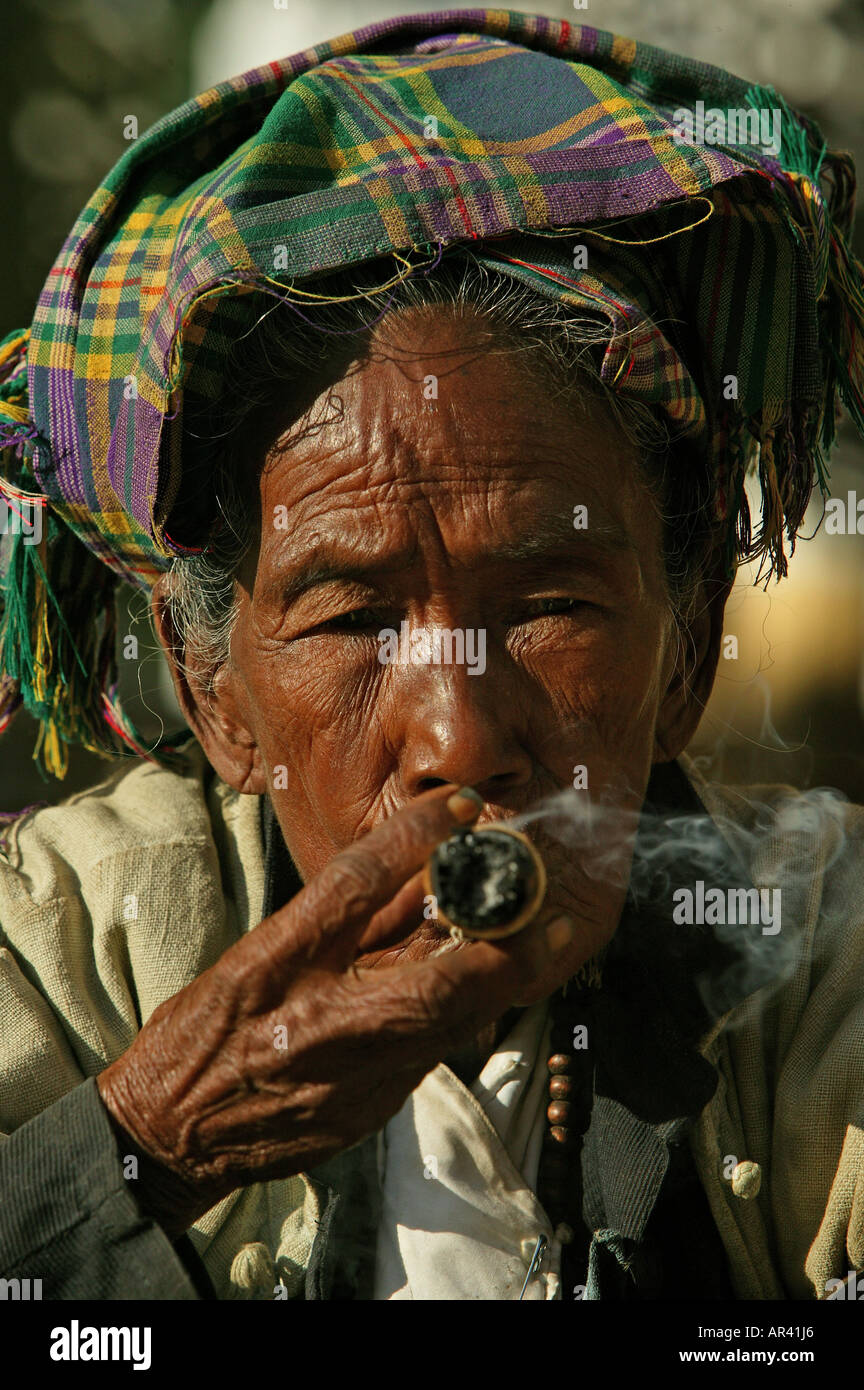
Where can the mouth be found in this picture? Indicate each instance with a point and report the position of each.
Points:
(488, 882)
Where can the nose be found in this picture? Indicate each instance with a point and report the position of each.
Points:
(457, 727)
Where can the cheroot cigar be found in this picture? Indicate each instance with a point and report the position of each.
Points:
(487, 883)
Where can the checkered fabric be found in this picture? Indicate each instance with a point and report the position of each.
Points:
(517, 135)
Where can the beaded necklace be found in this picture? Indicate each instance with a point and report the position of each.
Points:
(571, 1094)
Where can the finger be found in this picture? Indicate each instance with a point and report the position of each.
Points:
(398, 918)
(428, 1007)
(330, 914)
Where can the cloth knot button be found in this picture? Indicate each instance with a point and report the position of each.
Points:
(746, 1180)
(252, 1269)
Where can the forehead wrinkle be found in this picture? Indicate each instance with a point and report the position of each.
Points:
(390, 438)
(377, 466)
(398, 503)
(370, 457)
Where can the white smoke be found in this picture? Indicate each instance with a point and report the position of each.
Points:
(782, 842)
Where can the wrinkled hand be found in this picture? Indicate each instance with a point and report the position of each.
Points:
(284, 1053)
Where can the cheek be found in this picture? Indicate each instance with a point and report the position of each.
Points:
(603, 685)
(314, 712)
(324, 686)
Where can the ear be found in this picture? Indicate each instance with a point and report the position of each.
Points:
(695, 667)
(212, 705)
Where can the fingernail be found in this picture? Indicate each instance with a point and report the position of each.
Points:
(559, 934)
(465, 805)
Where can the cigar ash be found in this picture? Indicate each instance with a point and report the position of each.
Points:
(487, 883)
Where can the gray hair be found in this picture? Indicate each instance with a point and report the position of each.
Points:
(286, 356)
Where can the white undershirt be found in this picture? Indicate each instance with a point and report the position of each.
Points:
(458, 1166)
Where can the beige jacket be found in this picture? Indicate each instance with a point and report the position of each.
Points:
(115, 900)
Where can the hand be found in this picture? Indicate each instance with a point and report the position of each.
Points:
(284, 1053)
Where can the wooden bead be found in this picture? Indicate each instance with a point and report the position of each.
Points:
(554, 1139)
(558, 1113)
(559, 1062)
(560, 1087)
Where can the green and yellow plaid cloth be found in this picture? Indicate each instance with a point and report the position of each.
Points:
(714, 255)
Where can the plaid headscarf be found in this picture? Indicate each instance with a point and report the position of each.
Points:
(721, 267)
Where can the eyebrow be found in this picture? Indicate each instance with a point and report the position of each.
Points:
(600, 538)
(553, 541)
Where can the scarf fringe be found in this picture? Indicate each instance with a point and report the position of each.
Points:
(788, 447)
(58, 625)
(58, 634)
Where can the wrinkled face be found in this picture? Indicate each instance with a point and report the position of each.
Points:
(503, 542)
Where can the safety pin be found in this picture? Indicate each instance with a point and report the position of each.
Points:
(536, 1259)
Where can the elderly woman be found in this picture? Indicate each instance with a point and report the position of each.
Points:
(450, 330)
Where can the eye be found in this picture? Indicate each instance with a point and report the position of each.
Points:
(551, 607)
(355, 620)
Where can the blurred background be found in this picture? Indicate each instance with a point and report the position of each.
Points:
(788, 704)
